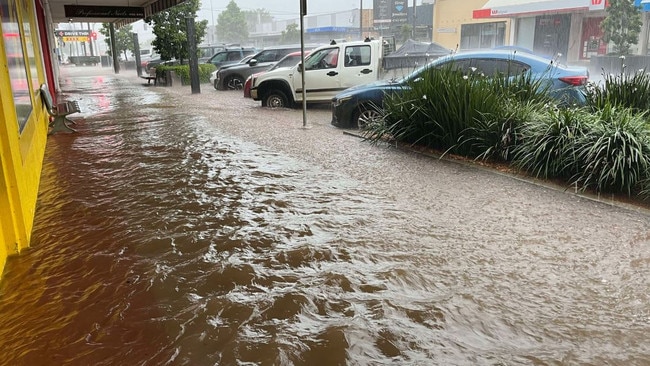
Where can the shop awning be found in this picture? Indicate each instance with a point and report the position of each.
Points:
(512, 8)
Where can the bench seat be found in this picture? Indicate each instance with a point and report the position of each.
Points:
(59, 112)
(149, 78)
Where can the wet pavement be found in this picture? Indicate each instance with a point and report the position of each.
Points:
(180, 229)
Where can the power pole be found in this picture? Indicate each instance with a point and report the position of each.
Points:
(361, 18)
(414, 20)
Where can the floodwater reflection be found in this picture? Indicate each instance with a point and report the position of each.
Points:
(162, 239)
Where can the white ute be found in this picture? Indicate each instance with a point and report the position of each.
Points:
(329, 70)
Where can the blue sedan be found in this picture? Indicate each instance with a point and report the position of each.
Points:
(360, 105)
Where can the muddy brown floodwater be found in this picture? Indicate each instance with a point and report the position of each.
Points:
(180, 229)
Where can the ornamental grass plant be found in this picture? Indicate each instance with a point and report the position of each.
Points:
(548, 145)
(613, 155)
(625, 89)
(465, 114)
(601, 147)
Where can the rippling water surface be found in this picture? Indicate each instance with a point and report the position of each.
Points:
(162, 238)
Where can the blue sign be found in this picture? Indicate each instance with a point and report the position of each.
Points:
(328, 29)
(644, 4)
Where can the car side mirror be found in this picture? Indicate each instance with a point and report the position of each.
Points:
(252, 62)
(299, 67)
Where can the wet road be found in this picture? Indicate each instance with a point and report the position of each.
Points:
(179, 229)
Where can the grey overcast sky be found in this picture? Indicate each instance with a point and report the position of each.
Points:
(281, 9)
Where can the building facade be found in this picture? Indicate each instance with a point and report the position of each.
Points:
(568, 29)
(28, 59)
(23, 131)
(354, 24)
(455, 27)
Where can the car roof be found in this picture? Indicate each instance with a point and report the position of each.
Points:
(230, 49)
(497, 53)
(297, 53)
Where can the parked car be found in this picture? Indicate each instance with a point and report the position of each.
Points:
(232, 77)
(356, 106)
(213, 75)
(329, 70)
(229, 56)
(289, 60)
(205, 51)
(146, 55)
(150, 65)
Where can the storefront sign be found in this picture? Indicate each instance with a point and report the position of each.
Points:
(382, 11)
(400, 12)
(75, 39)
(446, 30)
(72, 33)
(78, 11)
(598, 4)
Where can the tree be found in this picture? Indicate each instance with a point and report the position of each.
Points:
(257, 16)
(170, 29)
(622, 25)
(405, 32)
(291, 34)
(231, 24)
(123, 39)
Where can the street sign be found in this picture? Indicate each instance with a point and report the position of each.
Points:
(75, 39)
(72, 33)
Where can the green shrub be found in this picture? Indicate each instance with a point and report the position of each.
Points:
(470, 115)
(603, 147)
(183, 71)
(548, 145)
(496, 134)
(624, 89)
(614, 154)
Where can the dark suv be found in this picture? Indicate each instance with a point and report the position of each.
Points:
(232, 77)
(230, 56)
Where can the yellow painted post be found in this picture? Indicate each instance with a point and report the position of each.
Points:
(11, 216)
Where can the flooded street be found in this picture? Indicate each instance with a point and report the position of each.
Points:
(180, 229)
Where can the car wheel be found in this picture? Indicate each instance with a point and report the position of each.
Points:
(234, 83)
(215, 85)
(275, 99)
(367, 115)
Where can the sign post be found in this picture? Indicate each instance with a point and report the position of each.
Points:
(303, 12)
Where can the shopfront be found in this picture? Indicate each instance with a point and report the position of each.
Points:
(565, 29)
(551, 35)
(23, 125)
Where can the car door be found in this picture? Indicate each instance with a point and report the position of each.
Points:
(322, 75)
(219, 58)
(358, 67)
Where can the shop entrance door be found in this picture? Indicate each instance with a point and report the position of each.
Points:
(552, 35)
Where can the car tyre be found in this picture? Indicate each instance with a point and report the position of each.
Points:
(215, 85)
(234, 83)
(367, 115)
(275, 99)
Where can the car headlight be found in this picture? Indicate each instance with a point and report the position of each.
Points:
(338, 101)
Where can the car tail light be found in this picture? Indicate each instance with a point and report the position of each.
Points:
(575, 80)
